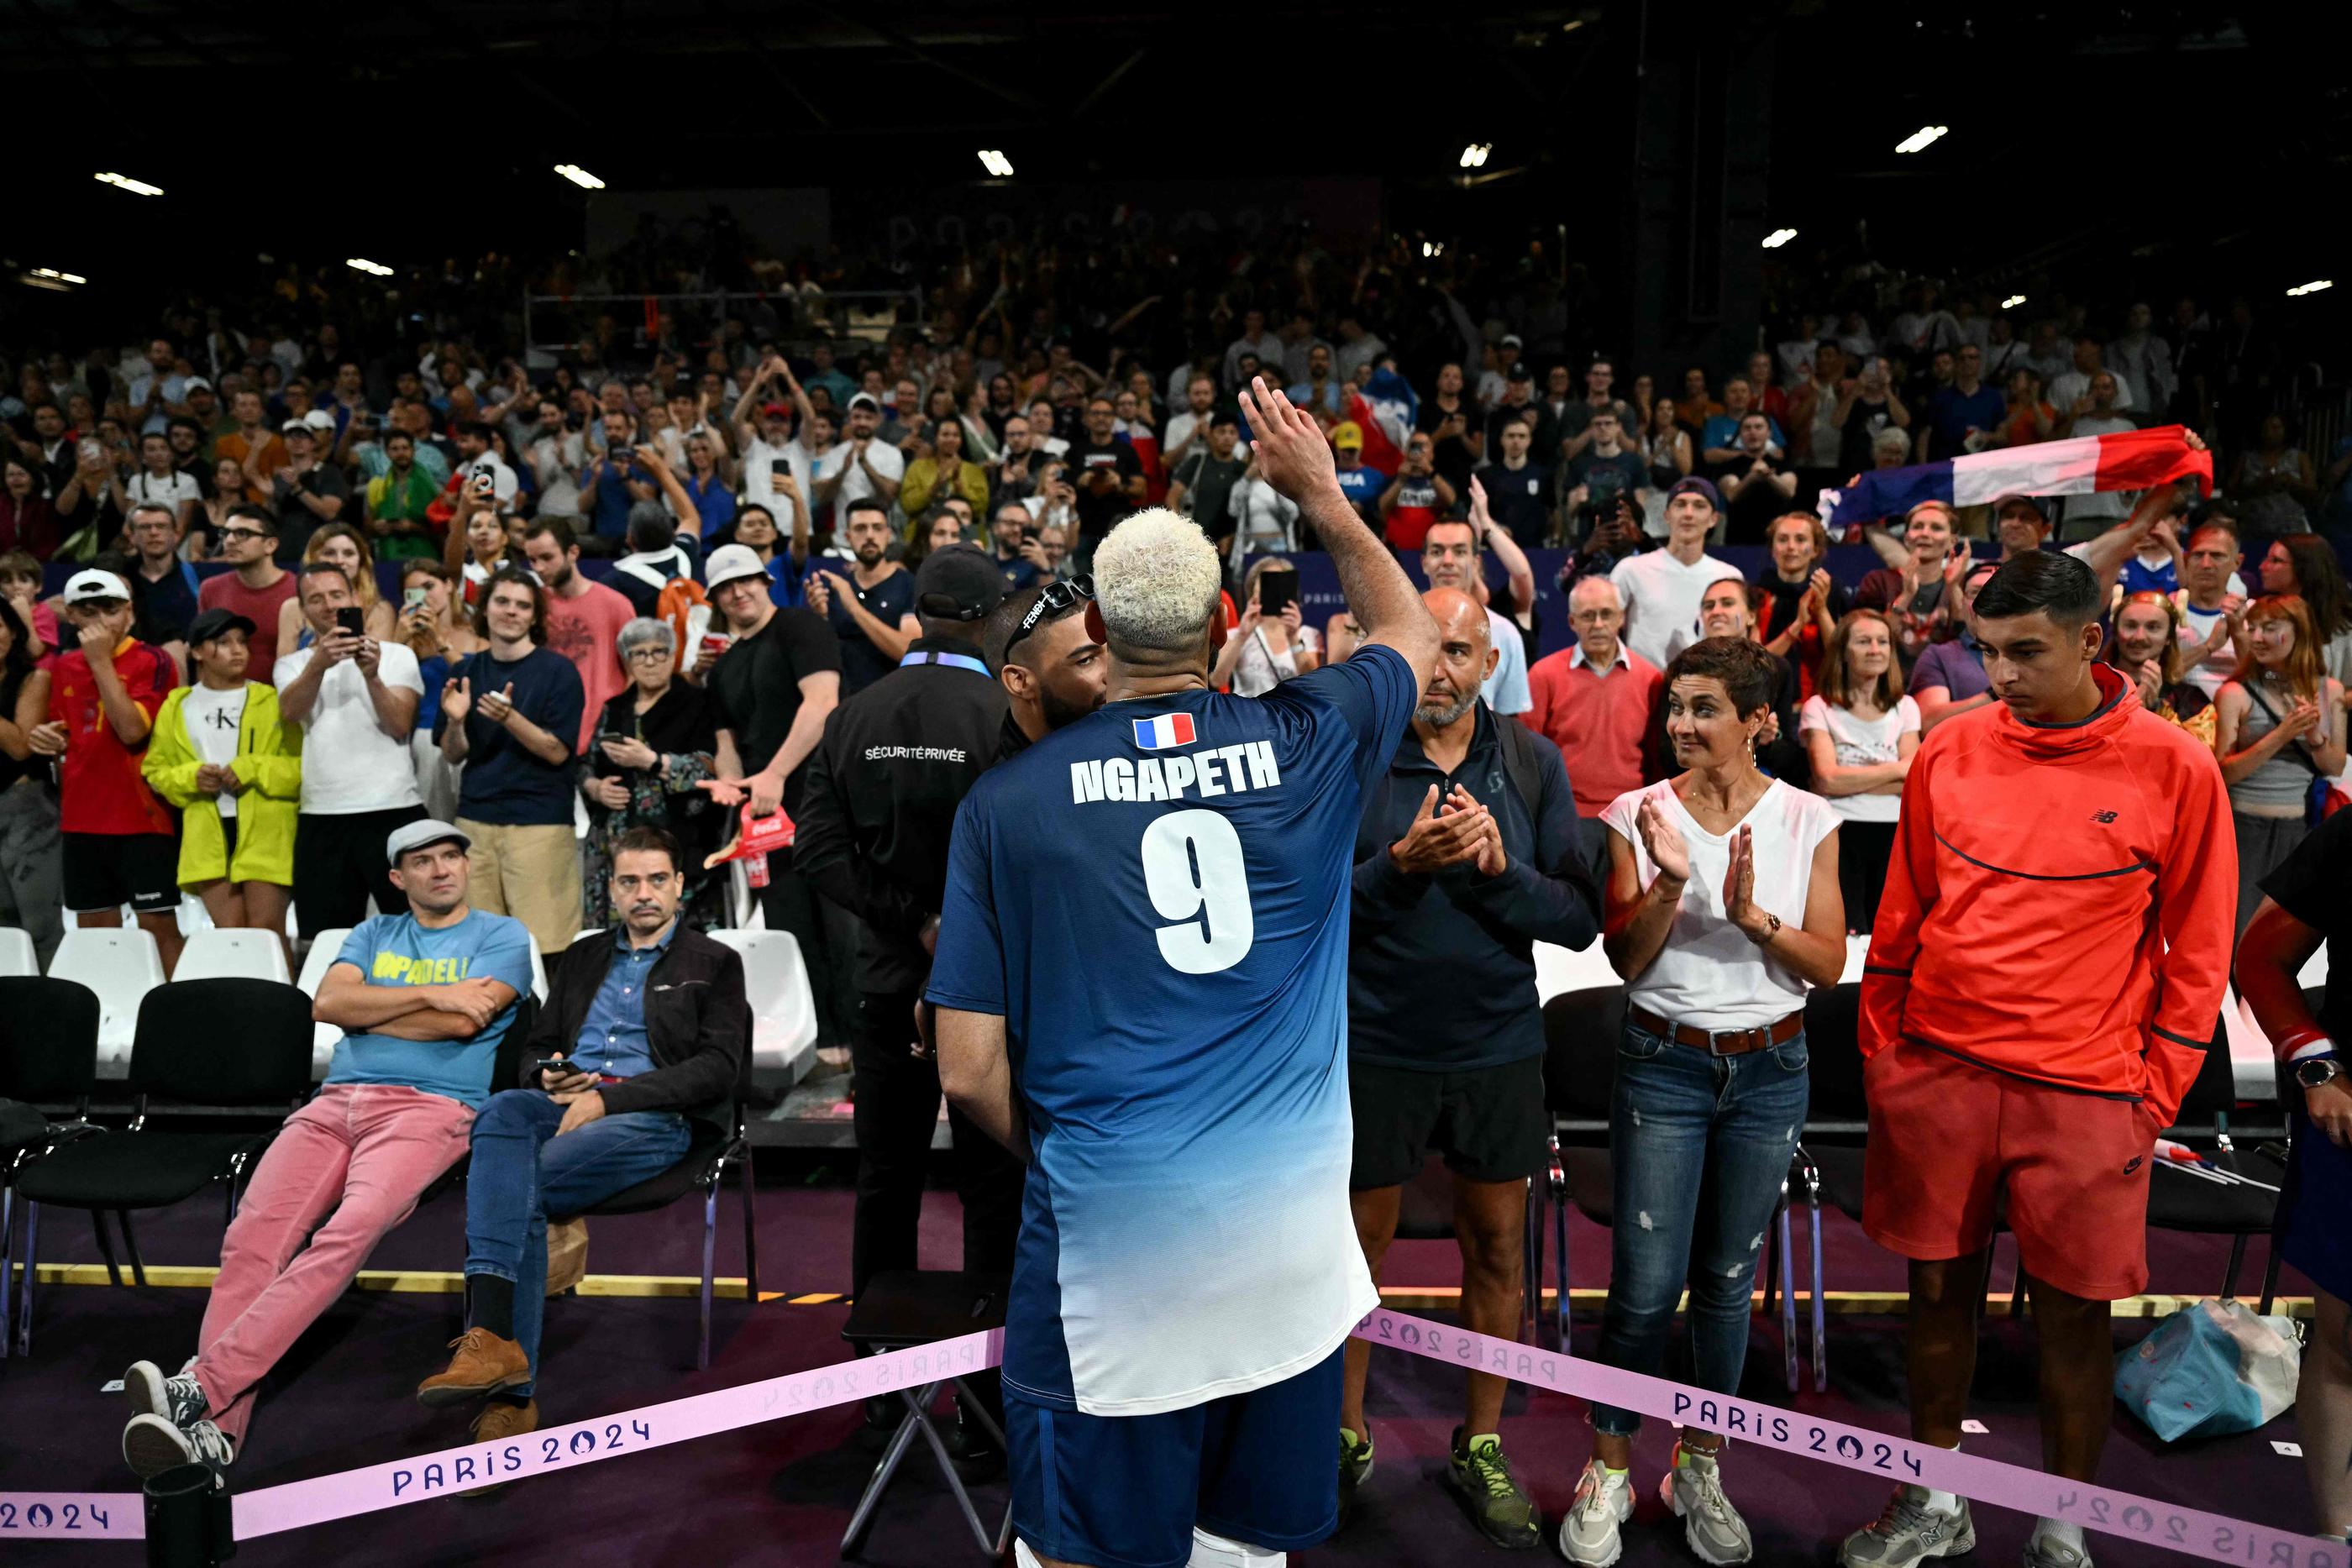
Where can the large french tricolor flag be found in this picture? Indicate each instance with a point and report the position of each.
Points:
(2132, 460)
(1168, 729)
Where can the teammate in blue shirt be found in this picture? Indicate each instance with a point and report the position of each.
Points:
(1141, 977)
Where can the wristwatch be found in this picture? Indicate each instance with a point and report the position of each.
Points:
(2317, 1071)
(1771, 929)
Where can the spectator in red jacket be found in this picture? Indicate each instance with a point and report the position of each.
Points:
(1998, 1061)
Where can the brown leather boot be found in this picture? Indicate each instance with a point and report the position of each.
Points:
(484, 1365)
(497, 1422)
(567, 1253)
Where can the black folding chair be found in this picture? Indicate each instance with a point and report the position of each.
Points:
(703, 1169)
(2177, 1200)
(1837, 1122)
(1581, 1031)
(220, 1042)
(48, 1056)
(909, 1307)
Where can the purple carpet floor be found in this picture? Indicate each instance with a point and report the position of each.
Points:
(782, 1493)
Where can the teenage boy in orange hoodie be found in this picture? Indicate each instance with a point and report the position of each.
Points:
(2041, 987)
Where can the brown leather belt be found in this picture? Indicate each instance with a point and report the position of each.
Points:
(1721, 1041)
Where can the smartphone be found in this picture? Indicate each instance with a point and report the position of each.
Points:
(411, 598)
(1277, 589)
(779, 467)
(351, 619)
(552, 1064)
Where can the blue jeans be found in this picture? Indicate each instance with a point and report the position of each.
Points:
(522, 1173)
(1698, 1148)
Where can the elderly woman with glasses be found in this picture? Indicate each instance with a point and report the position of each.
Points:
(653, 744)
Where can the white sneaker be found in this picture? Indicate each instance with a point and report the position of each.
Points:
(1694, 1489)
(151, 1444)
(177, 1398)
(1589, 1533)
(1909, 1532)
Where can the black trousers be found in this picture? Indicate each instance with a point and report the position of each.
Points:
(827, 935)
(897, 1108)
(340, 864)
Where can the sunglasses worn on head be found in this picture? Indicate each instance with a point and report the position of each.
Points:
(1056, 598)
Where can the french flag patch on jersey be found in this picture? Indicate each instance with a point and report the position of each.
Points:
(1168, 729)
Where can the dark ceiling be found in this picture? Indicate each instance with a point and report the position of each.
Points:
(2140, 135)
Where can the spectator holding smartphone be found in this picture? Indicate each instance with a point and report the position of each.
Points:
(1271, 645)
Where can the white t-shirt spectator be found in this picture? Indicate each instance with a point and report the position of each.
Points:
(1709, 975)
(760, 460)
(174, 490)
(887, 461)
(212, 718)
(559, 463)
(1661, 597)
(349, 764)
(2208, 673)
(1506, 690)
(1858, 743)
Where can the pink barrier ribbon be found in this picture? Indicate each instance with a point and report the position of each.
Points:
(2134, 1517)
(120, 1516)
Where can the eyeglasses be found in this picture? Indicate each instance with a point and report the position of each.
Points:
(649, 653)
(1056, 598)
(242, 534)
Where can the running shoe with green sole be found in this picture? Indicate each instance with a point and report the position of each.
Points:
(1480, 1477)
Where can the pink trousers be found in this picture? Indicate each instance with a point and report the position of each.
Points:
(352, 1165)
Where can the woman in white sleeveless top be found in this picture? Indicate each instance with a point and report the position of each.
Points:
(1723, 911)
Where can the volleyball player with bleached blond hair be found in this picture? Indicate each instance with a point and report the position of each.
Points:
(1142, 983)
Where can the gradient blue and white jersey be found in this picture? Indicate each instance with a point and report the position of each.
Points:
(1155, 898)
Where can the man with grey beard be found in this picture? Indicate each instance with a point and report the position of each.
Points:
(1467, 854)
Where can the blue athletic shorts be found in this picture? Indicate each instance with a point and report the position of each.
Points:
(2318, 1196)
(1125, 1491)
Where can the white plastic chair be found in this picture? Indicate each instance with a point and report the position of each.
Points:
(325, 948)
(784, 1008)
(1559, 969)
(214, 954)
(17, 957)
(538, 974)
(121, 964)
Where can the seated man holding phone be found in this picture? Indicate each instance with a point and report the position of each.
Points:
(356, 700)
(645, 1031)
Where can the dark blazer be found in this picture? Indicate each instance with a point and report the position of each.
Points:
(698, 1023)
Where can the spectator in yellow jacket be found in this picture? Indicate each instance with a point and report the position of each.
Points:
(943, 472)
(219, 752)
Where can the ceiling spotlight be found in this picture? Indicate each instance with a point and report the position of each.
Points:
(372, 268)
(1778, 239)
(998, 165)
(579, 177)
(2012, 302)
(1919, 140)
(2313, 286)
(1475, 155)
(125, 182)
(52, 275)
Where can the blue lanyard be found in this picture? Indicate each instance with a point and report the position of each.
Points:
(960, 660)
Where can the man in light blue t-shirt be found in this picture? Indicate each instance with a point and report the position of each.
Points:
(423, 999)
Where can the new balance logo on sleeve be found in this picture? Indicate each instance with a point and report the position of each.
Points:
(1227, 771)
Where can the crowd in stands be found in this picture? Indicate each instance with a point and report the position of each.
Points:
(270, 599)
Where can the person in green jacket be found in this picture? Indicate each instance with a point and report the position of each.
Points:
(219, 752)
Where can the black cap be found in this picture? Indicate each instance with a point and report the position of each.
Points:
(1519, 372)
(957, 582)
(210, 623)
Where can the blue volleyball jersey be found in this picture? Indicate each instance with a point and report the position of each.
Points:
(1155, 899)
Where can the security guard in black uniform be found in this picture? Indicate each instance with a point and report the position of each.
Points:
(877, 814)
